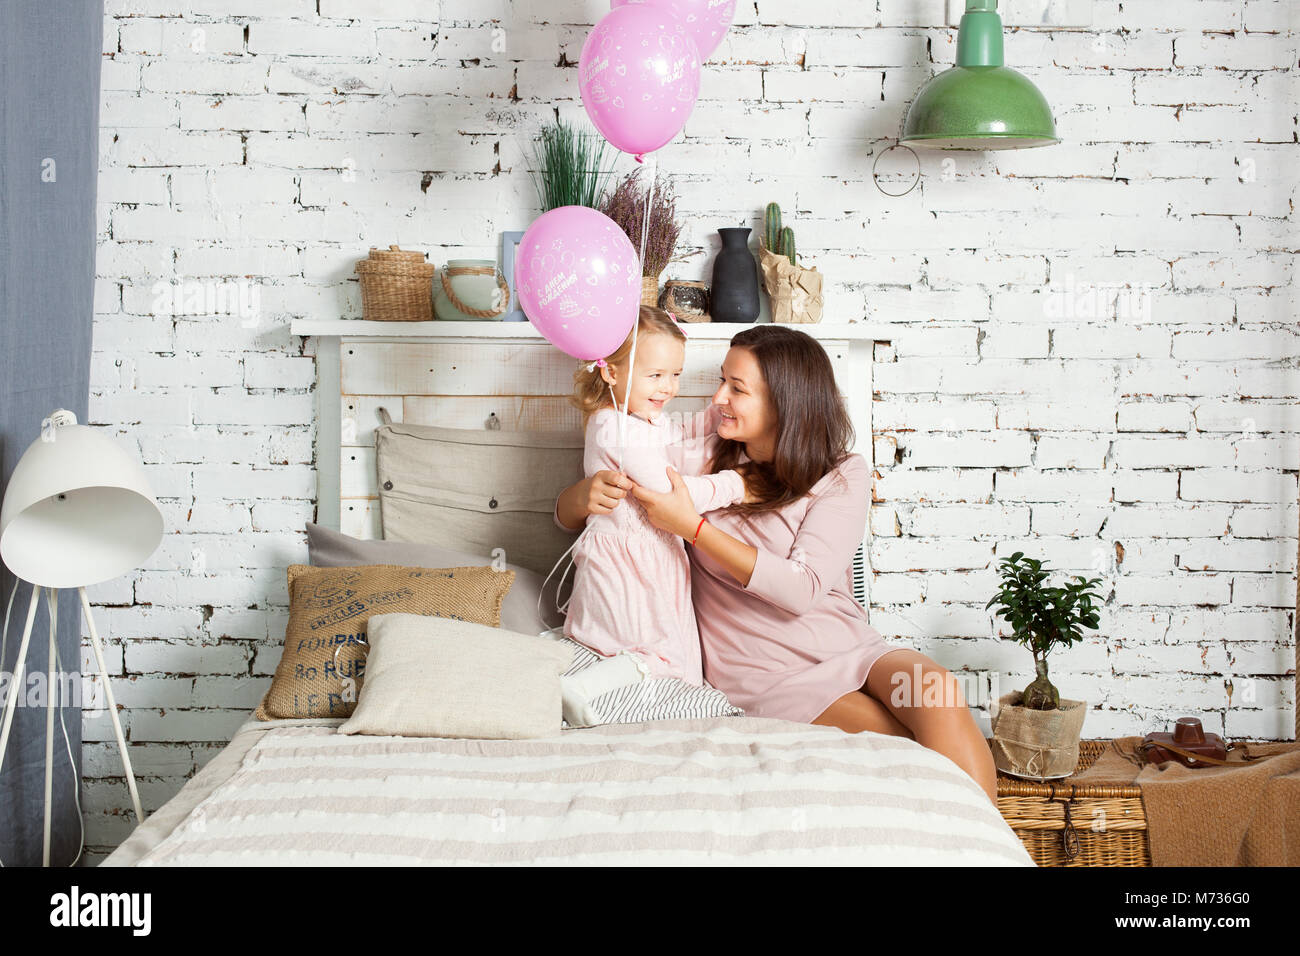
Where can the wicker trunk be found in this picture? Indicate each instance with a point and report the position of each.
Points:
(1066, 824)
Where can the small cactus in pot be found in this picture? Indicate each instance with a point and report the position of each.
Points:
(787, 245)
(772, 227)
(777, 238)
(795, 291)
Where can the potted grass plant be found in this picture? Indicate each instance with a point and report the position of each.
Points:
(626, 205)
(571, 166)
(1035, 730)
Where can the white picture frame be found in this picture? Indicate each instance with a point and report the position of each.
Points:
(509, 249)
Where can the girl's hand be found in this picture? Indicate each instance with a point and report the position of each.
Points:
(605, 489)
(672, 511)
(750, 497)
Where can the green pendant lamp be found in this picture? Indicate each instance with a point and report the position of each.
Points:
(979, 103)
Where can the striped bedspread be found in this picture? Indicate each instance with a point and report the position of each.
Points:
(706, 791)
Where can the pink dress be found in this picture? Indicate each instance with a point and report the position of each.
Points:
(632, 581)
(795, 640)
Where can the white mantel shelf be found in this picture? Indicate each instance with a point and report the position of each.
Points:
(524, 331)
(381, 345)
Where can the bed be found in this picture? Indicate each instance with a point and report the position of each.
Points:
(715, 790)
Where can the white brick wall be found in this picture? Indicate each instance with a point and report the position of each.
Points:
(1151, 439)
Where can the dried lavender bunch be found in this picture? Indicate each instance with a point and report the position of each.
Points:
(626, 206)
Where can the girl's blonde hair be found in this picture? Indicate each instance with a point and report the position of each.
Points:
(590, 391)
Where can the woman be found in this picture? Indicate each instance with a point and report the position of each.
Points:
(780, 632)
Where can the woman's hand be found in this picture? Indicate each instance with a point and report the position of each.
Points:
(750, 497)
(672, 511)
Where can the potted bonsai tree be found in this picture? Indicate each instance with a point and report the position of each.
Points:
(1036, 731)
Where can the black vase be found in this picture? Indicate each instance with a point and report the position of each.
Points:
(735, 278)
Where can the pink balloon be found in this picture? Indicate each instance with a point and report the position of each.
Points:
(579, 280)
(707, 21)
(639, 75)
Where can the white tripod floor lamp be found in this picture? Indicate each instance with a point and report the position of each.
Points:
(78, 511)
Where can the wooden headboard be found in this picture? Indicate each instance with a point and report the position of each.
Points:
(500, 374)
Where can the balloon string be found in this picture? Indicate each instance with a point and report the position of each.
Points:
(618, 461)
(649, 204)
(631, 364)
(561, 609)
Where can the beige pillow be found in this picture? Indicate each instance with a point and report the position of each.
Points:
(434, 677)
(325, 641)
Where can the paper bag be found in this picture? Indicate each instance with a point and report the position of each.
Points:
(795, 292)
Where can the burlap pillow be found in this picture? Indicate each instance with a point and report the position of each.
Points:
(324, 650)
(327, 548)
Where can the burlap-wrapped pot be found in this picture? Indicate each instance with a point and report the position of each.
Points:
(1037, 744)
(795, 292)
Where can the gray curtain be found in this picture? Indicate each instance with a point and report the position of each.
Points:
(49, 136)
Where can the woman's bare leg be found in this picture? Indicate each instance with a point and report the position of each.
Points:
(856, 712)
(935, 712)
(949, 730)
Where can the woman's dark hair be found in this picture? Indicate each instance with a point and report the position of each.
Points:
(814, 431)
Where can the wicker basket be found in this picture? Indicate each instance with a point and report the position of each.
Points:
(396, 286)
(1056, 820)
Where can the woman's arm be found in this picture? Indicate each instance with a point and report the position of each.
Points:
(828, 537)
(569, 508)
(823, 548)
(739, 559)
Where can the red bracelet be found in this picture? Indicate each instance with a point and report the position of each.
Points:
(697, 531)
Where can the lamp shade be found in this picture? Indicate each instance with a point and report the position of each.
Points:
(78, 510)
(979, 103)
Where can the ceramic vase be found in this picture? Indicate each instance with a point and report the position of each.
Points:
(734, 292)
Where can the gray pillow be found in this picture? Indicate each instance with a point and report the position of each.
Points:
(332, 549)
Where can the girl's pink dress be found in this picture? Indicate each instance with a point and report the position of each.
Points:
(632, 581)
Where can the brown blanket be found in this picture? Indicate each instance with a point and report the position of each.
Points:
(1246, 814)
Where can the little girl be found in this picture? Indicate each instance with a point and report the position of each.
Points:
(631, 598)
